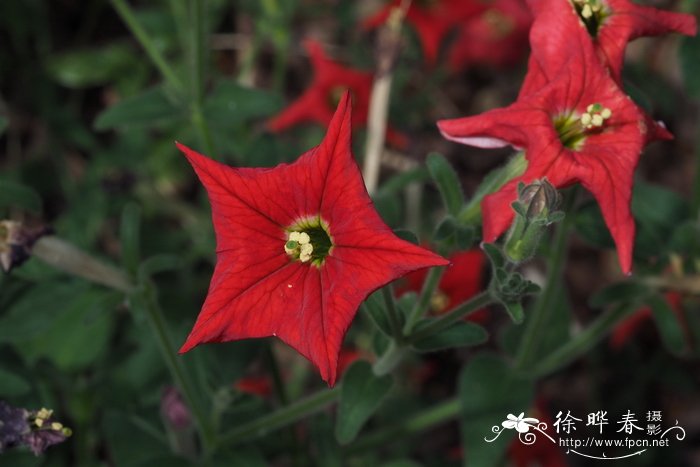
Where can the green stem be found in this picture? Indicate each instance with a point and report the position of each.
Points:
(426, 294)
(177, 371)
(445, 321)
(543, 306)
(277, 381)
(389, 359)
(392, 313)
(280, 418)
(471, 212)
(197, 52)
(128, 16)
(411, 426)
(584, 341)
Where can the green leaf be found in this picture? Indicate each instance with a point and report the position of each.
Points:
(668, 323)
(689, 53)
(460, 334)
(90, 67)
(495, 254)
(150, 107)
(328, 452)
(21, 196)
(445, 229)
(627, 291)
(407, 235)
(361, 395)
(657, 212)
(12, 385)
(447, 182)
(489, 390)
(231, 104)
(374, 306)
(515, 311)
(84, 321)
(400, 181)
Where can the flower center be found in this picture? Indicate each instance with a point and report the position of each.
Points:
(573, 129)
(309, 241)
(592, 13)
(439, 302)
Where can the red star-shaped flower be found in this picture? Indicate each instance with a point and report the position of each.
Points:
(610, 25)
(461, 280)
(331, 80)
(496, 37)
(578, 128)
(432, 20)
(299, 247)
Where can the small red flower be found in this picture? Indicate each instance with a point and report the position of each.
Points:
(496, 37)
(578, 128)
(299, 247)
(331, 80)
(461, 280)
(432, 21)
(610, 24)
(626, 329)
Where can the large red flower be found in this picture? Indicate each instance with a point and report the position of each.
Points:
(299, 247)
(578, 128)
(610, 25)
(431, 21)
(331, 80)
(460, 282)
(496, 37)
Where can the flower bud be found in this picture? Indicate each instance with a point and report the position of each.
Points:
(16, 241)
(535, 208)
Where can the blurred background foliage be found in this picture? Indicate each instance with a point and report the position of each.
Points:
(88, 122)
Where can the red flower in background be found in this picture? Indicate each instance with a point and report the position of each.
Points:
(262, 385)
(299, 247)
(496, 37)
(432, 21)
(543, 453)
(631, 325)
(610, 25)
(317, 103)
(578, 128)
(461, 280)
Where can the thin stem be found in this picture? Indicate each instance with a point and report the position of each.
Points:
(584, 341)
(177, 371)
(426, 294)
(197, 59)
(66, 257)
(411, 426)
(392, 313)
(389, 359)
(390, 37)
(277, 381)
(543, 306)
(127, 15)
(280, 418)
(445, 321)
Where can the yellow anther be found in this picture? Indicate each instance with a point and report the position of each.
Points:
(44, 413)
(294, 236)
(56, 426)
(586, 119)
(305, 252)
(606, 113)
(595, 116)
(597, 120)
(587, 11)
(39, 422)
(304, 238)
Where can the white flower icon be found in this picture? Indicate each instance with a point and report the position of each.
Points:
(522, 425)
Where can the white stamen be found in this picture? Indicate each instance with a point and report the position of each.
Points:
(606, 113)
(304, 238)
